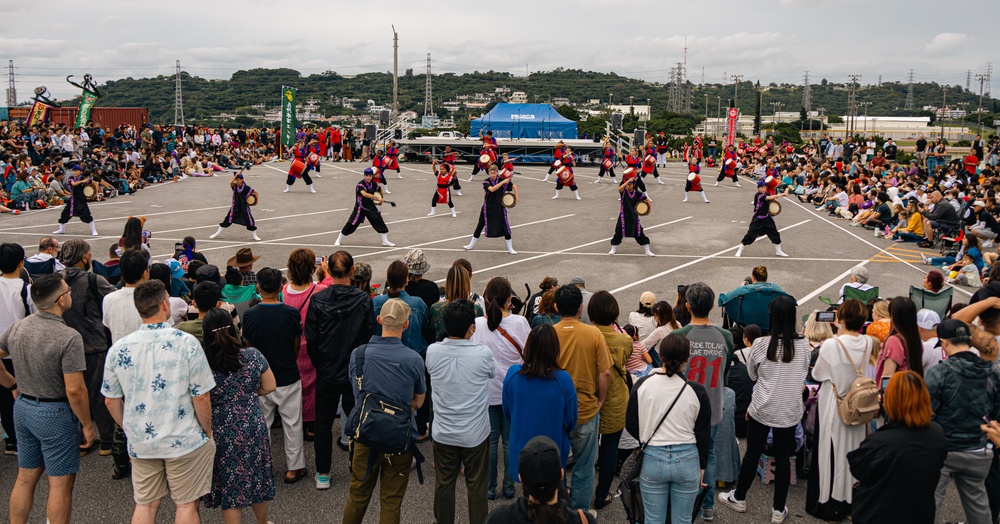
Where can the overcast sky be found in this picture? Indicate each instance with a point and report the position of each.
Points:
(773, 40)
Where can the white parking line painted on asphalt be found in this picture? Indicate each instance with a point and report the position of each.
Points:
(691, 263)
(561, 251)
(12, 229)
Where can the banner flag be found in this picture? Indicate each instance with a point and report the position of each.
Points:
(38, 114)
(732, 117)
(288, 122)
(86, 103)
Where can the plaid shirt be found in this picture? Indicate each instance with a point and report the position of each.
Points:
(249, 278)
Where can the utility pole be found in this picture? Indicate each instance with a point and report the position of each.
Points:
(706, 111)
(178, 98)
(718, 114)
(865, 105)
(736, 89)
(11, 86)
(909, 93)
(979, 121)
(851, 107)
(774, 113)
(807, 95)
(395, 74)
(428, 95)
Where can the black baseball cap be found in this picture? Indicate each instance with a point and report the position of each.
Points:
(539, 467)
(951, 328)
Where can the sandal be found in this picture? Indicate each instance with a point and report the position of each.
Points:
(600, 504)
(297, 475)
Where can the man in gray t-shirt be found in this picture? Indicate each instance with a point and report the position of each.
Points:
(52, 399)
(708, 365)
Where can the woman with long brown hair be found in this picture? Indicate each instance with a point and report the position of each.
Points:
(506, 335)
(456, 287)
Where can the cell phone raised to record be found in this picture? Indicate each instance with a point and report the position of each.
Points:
(826, 316)
(884, 384)
(319, 261)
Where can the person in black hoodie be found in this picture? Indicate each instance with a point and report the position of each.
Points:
(339, 319)
(545, 501)
(900, 461)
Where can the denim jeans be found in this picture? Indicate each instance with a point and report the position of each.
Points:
(499, 428)
(584, 443)
(906, 236)
(710, 471)
(940, 261)
(669, 478)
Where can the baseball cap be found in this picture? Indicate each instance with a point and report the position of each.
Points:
(951, 328)
(362, 271)
(369, 171)
(928, 319)
(394, 313)
(539, 467)
(761, 182)
(76, 167)
(979, 203)
(647, 298)
(577, 281)
(176, 270)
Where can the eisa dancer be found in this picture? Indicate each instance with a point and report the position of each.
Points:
(239, 210)
(367, 196)
(628, 224)
(694, 182)
(77, 204)
(489, 149)
(445, 180)
(564, 175)
(302, 154)
(608, 159)
(493, 217)
(379, 164)
(557, 155)
(762, 222)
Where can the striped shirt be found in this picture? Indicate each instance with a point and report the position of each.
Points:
(777, 396)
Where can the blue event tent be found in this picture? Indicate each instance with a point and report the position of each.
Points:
(527, 121)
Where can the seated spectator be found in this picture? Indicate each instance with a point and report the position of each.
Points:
(547, 284)
(546, 313)
(236, 291)
(416, 286)
(900, 461)
(639, 363)
(663, 315)
(942, 218)
(243, 261)
(910, 226)
(934, 281)
(927, 323)
(113, 257)
(859, 280)
(206, 297)
(969, 254)
(642, 318)
(881, 322)
(48, 249)
(986, 226)
(758, 282)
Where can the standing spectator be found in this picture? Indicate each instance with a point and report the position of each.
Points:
(16, 304)
(456, 287)
(642, 318)
(544, 498)
(580, 283)
(413, 338)
(506, 335)
(584, 354)
(903, 349)
(339, 319)
(676, 450)
(779, 364)
(52, 404)
(244, 261)
(901, 461)
(298, 293)
(206, 297)
(242, 475)
(461, 371)
(604, 313)
(836, 369)
(711, 358)
(86, 316)
(426, 290)
(539, 398)
(927, 323)
(964, 390)
(396, 373)
(160, 397)
(275, 330)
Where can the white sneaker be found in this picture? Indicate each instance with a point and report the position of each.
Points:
(728, 499)
(322, 481)
(738, 184)
(254, 235)
(459, 193)
(924, 259)
(287, 190)
(658, 181)
(470, 178)
(777, 517)
(716, 184)
(598, 181)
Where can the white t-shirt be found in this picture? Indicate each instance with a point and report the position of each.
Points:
(120, 314)
(505, 354)
(11, 305)
(932, 356)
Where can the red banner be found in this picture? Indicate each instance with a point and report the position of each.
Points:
(39, 113)
(732, 117)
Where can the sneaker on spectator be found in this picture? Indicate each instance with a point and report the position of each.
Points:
(777, 517)
(708, 514)
(987, 243)
(924, 259)
(322, 481)
(728, 499)
(10, 448)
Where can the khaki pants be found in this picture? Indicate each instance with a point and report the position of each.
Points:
(392, 472)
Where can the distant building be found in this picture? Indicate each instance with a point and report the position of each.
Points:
(519, 97)
(641, 110)
(430, 122)
(560, 101)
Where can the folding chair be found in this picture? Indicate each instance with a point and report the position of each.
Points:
(113, 274)
(749, 308)
(40, 269)
(853, 292)
(939, 302)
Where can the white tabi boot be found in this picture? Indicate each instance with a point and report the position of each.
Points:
(217, 233)
(433, 212)
(614, 249)
(312, 189)
(739, 252)
(648, 252)
(93, 229)
(253, 234)
(577, 194)
(778, 252)
(288, 189)
(704, 197)
(385, 240)
(61, 230)
(339, 238)
(471, 244)
(510, 248)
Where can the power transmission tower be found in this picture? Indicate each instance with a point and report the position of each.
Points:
(736, 89)
(428, 98)
(968, 80)
(178, 98)
(11, 86)
(807, 95)
(909, 93)
(879, 81)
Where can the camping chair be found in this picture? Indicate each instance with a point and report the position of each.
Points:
(749, 308)
(855, 293)
(40, 269)
(939, 302)
(113, 274)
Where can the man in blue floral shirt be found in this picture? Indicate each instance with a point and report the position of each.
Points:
(156, 383)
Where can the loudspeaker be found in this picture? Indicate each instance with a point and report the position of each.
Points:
(398, 134)
(383, 118)
(616, 121)
(640, 137)
(370, 131)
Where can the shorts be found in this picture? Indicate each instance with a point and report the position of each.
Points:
(336, 148)
(48, 436)
(186, 478)
(921, 155)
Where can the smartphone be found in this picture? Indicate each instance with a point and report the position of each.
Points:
(178, 246)
(680, 288)
(826, 316)
(319, 261)
(885, 383)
